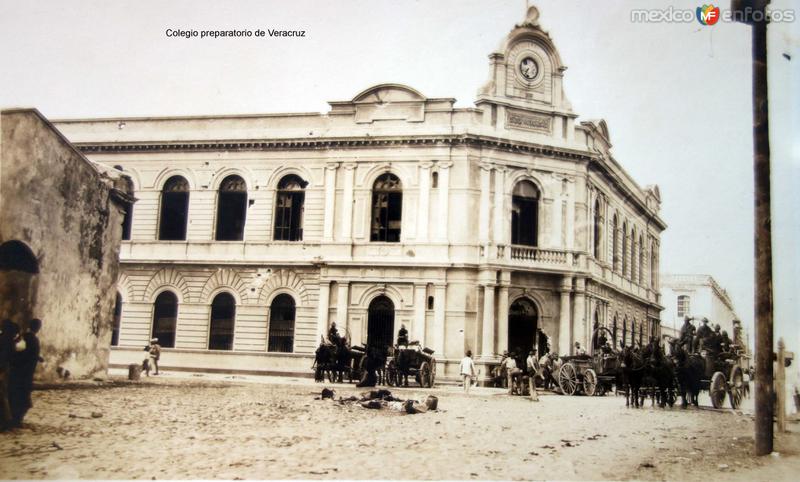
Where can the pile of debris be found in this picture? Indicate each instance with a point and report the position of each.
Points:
(378, 399)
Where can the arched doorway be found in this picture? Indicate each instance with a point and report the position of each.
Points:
(523, 328)
(18, 282)
(380, 322)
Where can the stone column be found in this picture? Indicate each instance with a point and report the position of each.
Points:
(330, 200)
(347, 203)
(499, 234)
(322, 308)
(439, 309)
(444, 200)
(418, 330)
(564, 318)
(483, 220)
(487, 341)
(343, 299)
(424, 200)
(579, 329)
(502, 319)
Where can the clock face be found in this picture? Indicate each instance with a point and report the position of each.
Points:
(528, 68)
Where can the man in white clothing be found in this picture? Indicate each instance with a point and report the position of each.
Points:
(467, 370)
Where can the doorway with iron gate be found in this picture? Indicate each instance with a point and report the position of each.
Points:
(523, 329)
(380, 322)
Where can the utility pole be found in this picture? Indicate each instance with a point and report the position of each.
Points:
(754, 13)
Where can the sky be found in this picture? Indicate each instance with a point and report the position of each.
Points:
(676, 95)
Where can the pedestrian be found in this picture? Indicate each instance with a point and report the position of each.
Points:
(533, 374)
(512, 372)
(467, 370)
(8, 339)
(153, 355)
(23, 367)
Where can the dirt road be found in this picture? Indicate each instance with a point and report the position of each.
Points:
(182, 427)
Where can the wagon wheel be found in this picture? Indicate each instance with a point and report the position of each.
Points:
(589, 382)
(736, 388)
(391, 374)
(717, 389)
(425, 375)
(567, 379)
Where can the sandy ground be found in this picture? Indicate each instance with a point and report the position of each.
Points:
(183, 426)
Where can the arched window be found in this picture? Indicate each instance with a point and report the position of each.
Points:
(116, 321)
(525, 214)
(430, 302)
(387, 209)
(615, 243)
(165, 319)
(174, 209)
(614, 332)
(653, 267)
(684, 306)
(633, 332)
(641, 332)
(625, 331)
(634, 255)
(598, 229)
(17, 256)
(223, 317)
(625, 239)
(281, 324)
(434, 180)
(642, 281)
(231, 209)
(289, 209)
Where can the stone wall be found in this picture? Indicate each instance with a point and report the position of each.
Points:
(67, 213)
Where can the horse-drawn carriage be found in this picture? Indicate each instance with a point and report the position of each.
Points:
(723, 375)
(411, 359)
(591, 375)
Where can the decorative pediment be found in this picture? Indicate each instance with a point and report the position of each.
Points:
(389, 93)
(389, 102)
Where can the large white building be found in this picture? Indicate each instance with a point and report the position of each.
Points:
(699, 296)
(488, 228)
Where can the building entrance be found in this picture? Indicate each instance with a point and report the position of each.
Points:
(380, 322)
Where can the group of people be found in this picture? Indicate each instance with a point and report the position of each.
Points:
(695, 340)
(535, 368)
(19, 356)
(150, 362)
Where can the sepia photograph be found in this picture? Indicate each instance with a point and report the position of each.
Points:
(399, 240)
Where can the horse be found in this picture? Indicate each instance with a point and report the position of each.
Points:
(661, 372)
(323, 364)
(633, 368)
(689, 370)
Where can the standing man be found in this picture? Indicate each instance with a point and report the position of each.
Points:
(23, 366)
(512, 372)
(533, 373)
(154, 354)
(8, 338)
(467, 370)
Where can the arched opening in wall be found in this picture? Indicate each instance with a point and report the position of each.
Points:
(174, 210)
(641, 333)
(615, 243)
(598, 229)
(523, 329)
(380, 322)
(117, 320)
(289, 207)
(625, 331)
(387, 209)
(525, 214)
(231, 209)
(165, 319)
(633, 333)
(221, 325)
(282, 313)
(614, 333)
(634, 257)
(642, 281)
(19, 271)
(430, 303)
(625, 240)
(434, 180)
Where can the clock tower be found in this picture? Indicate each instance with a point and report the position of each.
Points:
(524, 91)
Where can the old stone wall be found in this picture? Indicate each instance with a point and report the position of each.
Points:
(67, 212)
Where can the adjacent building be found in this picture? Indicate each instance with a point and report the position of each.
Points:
(60, 230)
(499, 227)
(698, 296)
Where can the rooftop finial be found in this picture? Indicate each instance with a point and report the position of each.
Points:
(532, 17)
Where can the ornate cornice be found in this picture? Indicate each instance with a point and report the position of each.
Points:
(328, 143)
